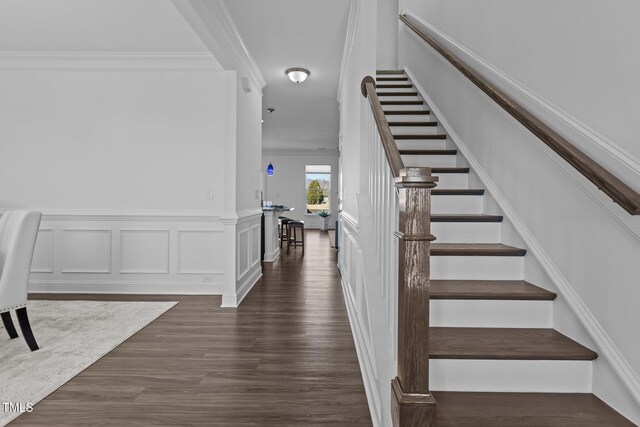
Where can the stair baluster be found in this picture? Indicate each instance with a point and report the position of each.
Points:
(412, 403)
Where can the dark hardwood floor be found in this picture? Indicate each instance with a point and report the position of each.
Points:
(286, 357)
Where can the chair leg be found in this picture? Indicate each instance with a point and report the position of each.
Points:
(302, 233)
(23, 319)
(290, 230)
(8, 325)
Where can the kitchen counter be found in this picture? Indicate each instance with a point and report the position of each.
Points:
(271, 240)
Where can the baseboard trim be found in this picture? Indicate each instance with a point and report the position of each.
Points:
(272, 256)
(602, 340)
(123, 287)
(251, 278)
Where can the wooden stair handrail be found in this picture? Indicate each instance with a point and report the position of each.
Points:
(621, 193)
(368, 88)
(412, 404)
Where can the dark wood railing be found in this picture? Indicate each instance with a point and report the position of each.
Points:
(411, 401)
(620, 192)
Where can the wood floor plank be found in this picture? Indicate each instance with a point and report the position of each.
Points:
(285, 358)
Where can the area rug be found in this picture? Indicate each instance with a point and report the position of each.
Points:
(72, 335)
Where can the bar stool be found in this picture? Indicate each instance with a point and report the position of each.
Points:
(293, 227)
(283, 230)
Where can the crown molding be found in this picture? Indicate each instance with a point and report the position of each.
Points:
(348, 44)
(165, 61)
(212, 22)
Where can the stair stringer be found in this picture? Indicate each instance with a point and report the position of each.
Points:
(572, 317)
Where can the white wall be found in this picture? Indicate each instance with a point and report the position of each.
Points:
(287, 185)
(249, 148)
(129, 140)
(242, 191)
(588, 245)
(387, 35)
(129, 165)
(583, 63)
(94, 26)
(368, 284)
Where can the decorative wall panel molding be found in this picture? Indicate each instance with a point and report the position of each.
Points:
(43, 254)
(86, 250)
(144, 251)
(200, 252)
(129, 252)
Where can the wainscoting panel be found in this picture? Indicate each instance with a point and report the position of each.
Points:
(255, 244)
(249, 269)
(43, 253)
(244, 252)
(98, 252)
(86, 250)
(200, 252)
(144, 251)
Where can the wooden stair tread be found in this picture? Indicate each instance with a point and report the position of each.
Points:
(457, 192)
(392, 79)
(484, 409)
(444, 169)
(421, 136)
(431, 152)
(412, 102)
(475, 249)
(394, 86)
(465, 217)
(397, 94)
(505, 344)
(390, 72)
(407, 112)
(489, 290)
(420, 124)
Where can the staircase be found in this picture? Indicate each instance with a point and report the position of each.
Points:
(495, 358)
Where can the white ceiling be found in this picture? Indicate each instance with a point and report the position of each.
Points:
(296, 33)
(95, 26)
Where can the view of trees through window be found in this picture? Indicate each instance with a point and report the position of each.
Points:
(318, 185)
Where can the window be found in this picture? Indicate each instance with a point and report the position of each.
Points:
(318, 187)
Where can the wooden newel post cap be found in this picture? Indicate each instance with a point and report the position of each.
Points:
(416, 177)
(363, 85)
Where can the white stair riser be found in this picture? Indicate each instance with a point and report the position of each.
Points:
(429, 160)
(536, 376)
(402, 107)
(415, 130)
(409, 117)
(421, 144)
(452, 180)
(491, 313)
(477, 267)
(466, 232)
(456, 204)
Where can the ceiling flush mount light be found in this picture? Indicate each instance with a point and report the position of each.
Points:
(297, 75)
